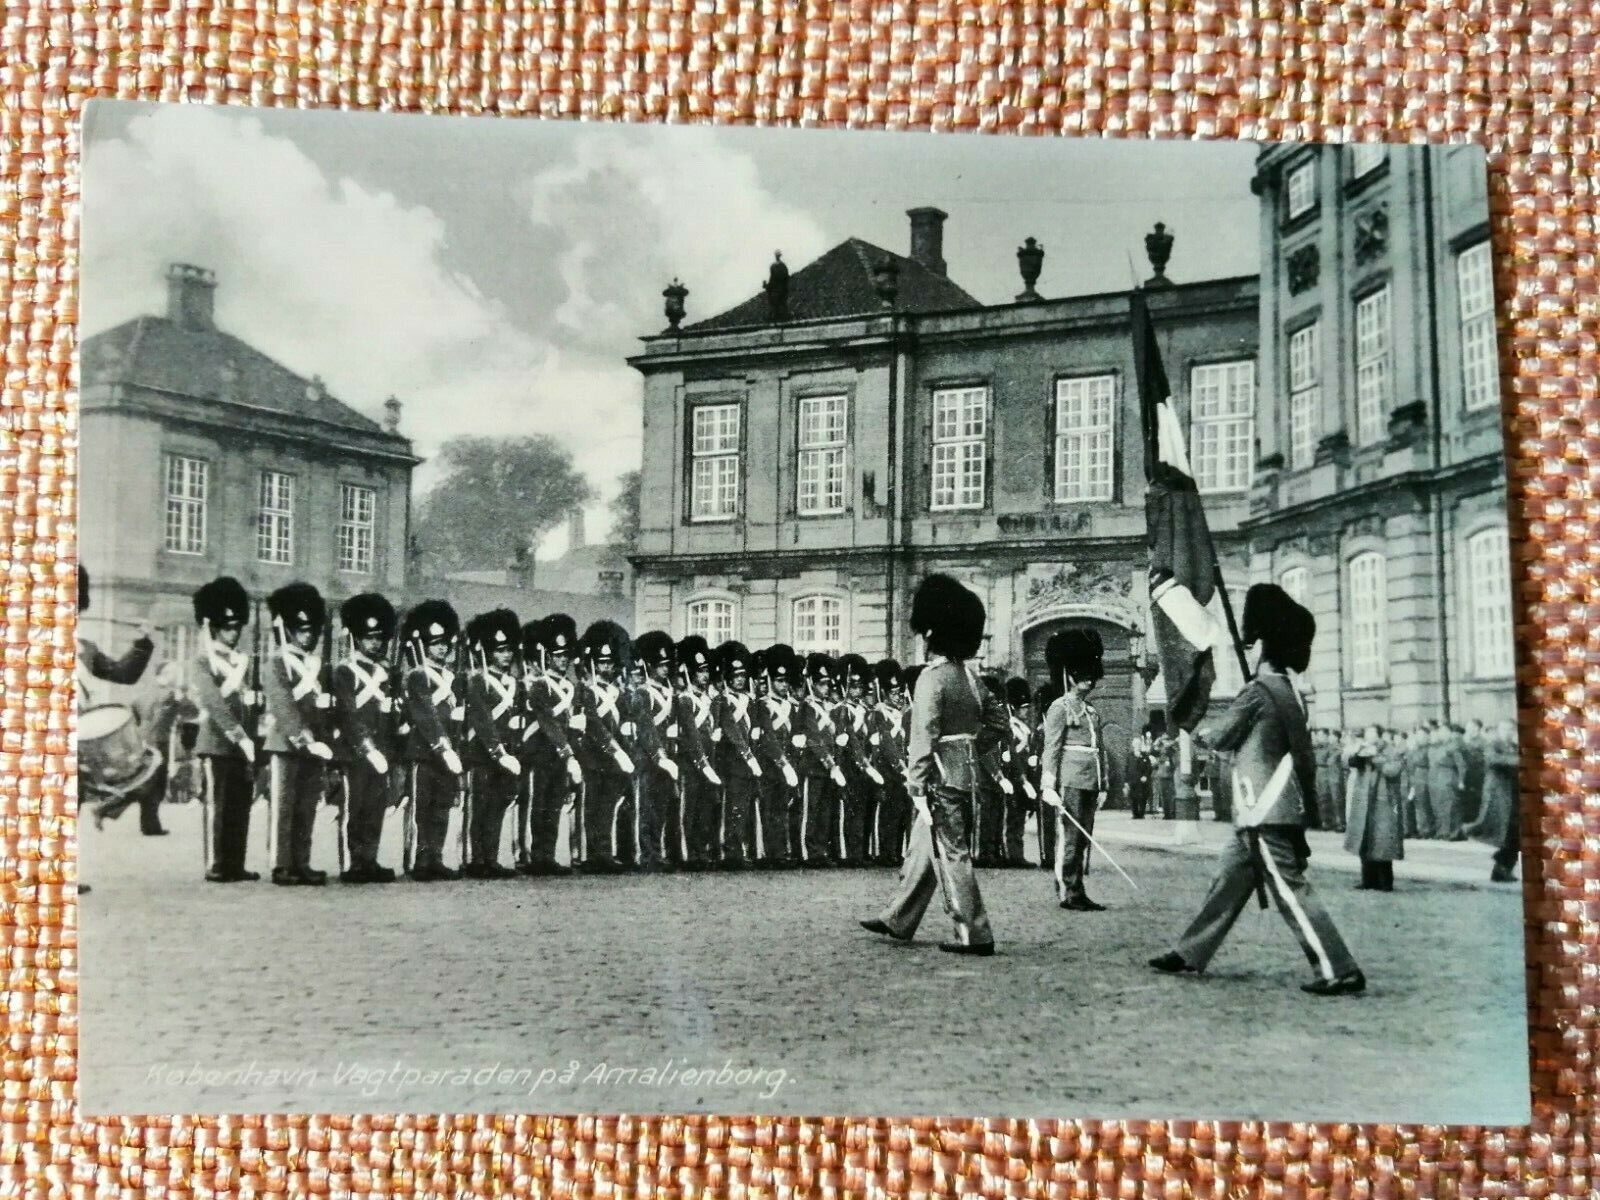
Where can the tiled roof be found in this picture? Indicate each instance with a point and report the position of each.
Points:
(839, 284)
(155, 352)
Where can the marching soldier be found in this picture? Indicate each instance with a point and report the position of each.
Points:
(555, 720)
(699, 785)
(1073, 781)
(496, 714)
(816, 751)
(364, 713)
(775, 749)
(862, 793)
(607, 767)
(434, 710)
(655, 740)
(223, 744)
(1274, 794)
(1019, 761)
(953, 719)
(298, 720)
(887, 730)
(735, 760)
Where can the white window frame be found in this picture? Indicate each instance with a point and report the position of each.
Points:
(960, 449)
(1296, 580)
(1305, 394)
(1222, 424)
(186, 486)
(357, 533)
(810, 612)
(1086, 447)
(1373, 338)
(275, 518)
(822, 454)
(1367, 576)
(715, 618)
(1300, 189)
(1480, 357)
(178, 646)
(1488, 583)
(714, 467)
(1367, 157)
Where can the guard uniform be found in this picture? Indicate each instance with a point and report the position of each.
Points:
(775, 749)
(735, 759)
(496, 714)
(434, 711)
(607, 801)
(223, 745)
(699, 786)
(1044, 815)
(553, 722)
(299, 724)
(364, 711)
(862, 794)
(994, 790)
(655, 737)
(1019, 762)
(816, 759)
(151, 782)
(1075, 768)
(887, 730)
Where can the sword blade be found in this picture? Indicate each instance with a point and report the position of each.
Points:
(1066, 812)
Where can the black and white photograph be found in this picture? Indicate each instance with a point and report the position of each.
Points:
(600, 618)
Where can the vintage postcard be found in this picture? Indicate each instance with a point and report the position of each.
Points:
(591, 618)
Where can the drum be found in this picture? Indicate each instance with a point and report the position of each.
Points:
(112, 756)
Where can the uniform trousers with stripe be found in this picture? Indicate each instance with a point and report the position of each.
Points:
(296, 782)
(366, 800)
(893, 822)
(656, 797)
(543, 794)
(1270, 855)
(739, 798)
(939, 859)
(607, 797)
(228, 791)
(1071, 846)
(776, 800)
(433, 795)
(987, 839)
(1047, 835)
(702, 815)
(494, 790)
(819, 819)
(1018, 806)
(858, 803)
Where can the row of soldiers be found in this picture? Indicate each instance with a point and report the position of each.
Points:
(659, 754)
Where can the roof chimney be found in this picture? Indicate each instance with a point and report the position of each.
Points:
(927, 237)
(575, 532)
(190, 293)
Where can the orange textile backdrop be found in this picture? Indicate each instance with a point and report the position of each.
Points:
(1520, 78)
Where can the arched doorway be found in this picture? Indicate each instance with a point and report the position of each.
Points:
(1114, 697)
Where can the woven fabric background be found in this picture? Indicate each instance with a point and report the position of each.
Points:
(1520, 77)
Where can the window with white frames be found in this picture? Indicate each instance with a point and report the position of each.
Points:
(178, 647)
(713, 619)
(1222, 402)
(1300, 190)
(1085, 415)
(714, 455)
(1305, 395)
(1480, 381)
(1489, 588)
(1296, 581)
(357, 518)
(817, 624)
(186, 504)
(1367, 157)
(275, 518)
(1369, 631)
(1372, 367)
(822, 462)
(960, 447)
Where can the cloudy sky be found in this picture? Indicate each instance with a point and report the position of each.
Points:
(494, 273)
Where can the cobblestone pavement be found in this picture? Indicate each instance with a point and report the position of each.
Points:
(541, 996)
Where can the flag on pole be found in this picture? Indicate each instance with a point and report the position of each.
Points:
(1183, 562)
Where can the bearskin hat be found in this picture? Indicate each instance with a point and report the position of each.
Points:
(298, 606)
(653, 648)
(605, 641)
(1284, 627)
(223, 601)
(557, 632)
(1047, 695)
(951, 616)
(732, 658)
(819, 666)
(854, 669)
(694, 653)
(83, 588)
(888, 674)
(431, 621)
(782, 663)
(995, 685)
(1018, 693)
(494, 629)
(1075, 652)
(911, 675)
(366, 614)
(758, 662)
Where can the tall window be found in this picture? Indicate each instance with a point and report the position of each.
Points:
(1222, 401)
(818, 624)
(357, 506)
(1366, 157)
(178, 646)
(1480, 383)
(1297, 582)
(186, 504)
(1489, 588)
(1300, 190)
(1369, 622)
(960, 446)
(1372, 367)
(712, 620)
(275, 518)
(822, 455)
(714, 451)
(1085, 411)
(1305, 395)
